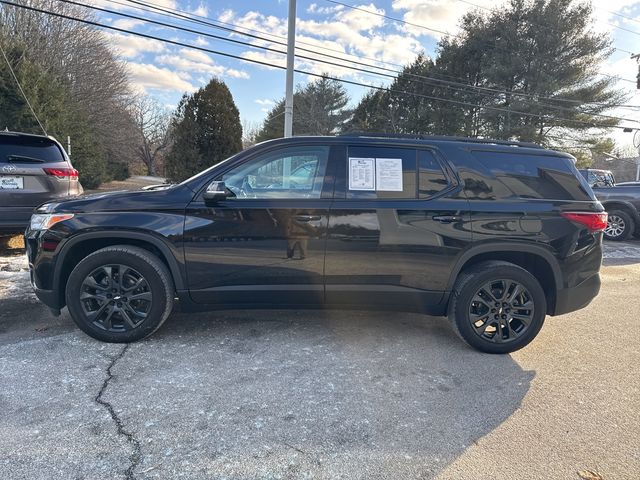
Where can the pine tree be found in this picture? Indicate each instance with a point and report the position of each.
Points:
(319, 108)
(206, 130)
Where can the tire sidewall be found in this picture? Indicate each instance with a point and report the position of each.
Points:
(469, 289)
(157, 286)
(629, 226)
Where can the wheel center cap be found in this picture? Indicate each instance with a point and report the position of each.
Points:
(117, 297)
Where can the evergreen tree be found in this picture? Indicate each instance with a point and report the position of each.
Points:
(526, 71)
(319, 108)
(206, 130)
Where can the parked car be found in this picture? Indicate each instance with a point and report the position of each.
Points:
(495, 235)
(33, 169)
(622, 202)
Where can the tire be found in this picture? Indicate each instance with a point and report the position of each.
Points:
(620, 226)
(467, 305)
(101, 289)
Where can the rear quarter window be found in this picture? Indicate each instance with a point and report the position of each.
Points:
(525, 175)
(21, 149)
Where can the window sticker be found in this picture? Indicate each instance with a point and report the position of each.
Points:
(389, 174)
(362, 174)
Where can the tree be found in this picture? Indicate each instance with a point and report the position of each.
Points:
(206, 130)
(77, 59)
(52, 103)
(319, 108)
(152, 123)
(526, 71)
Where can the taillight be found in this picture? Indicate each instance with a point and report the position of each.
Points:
(62, 172)
(594, 221)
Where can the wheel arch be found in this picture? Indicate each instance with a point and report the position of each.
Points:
(78, 247)
(622, 205)
(536, 260)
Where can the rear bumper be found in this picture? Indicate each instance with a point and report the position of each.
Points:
(575, 298)
(14, 219)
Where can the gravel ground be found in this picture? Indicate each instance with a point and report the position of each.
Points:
(333, 394)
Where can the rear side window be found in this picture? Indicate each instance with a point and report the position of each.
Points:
(431, 178)
(381, 173)
(29, 150)
(513, 175)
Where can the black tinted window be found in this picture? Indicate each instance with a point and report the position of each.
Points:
(431, 178)
(23, 149)
(512, 174)
(380, 172)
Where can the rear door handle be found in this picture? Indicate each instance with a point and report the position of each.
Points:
(447, 218)
(307, 218)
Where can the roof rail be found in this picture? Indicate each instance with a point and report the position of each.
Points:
(418, 136)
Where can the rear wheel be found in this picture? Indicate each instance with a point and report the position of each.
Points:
(620, 225)
(497, 307)
(120, 294)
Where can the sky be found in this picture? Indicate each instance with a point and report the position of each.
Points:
(166, 72)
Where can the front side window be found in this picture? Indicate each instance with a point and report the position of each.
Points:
(295, 172)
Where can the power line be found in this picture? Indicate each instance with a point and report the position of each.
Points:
(466, 88)
(26, 99)
(399, 20)
(609, 24)
(237, 57)
(207, 21)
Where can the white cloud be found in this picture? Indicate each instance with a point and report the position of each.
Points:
(130, 46)
(195, 61)
(201, 11)
(201, 42)
(264, 101)
(147, 77)
(127, 23)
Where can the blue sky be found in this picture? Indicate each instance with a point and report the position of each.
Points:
(165, 72)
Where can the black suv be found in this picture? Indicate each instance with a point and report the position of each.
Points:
(496, 235)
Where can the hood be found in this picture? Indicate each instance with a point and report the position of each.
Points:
(175, 198)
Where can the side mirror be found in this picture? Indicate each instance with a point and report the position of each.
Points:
(215, 192)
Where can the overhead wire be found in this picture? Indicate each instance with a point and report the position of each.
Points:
(342, 80)
(455, 86)
(193, 17)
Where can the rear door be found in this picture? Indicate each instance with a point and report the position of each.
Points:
(32, 171)
(396, 226)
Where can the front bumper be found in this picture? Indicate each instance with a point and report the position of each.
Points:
(575, 298)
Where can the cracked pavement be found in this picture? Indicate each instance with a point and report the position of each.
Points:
(330, 394)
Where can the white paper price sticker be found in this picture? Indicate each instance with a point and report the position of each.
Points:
(389, 174)
(362, 174)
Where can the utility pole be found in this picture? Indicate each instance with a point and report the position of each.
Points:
(291, 47)
(69, 145)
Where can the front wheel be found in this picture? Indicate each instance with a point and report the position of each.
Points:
(120, 294)
(497, 307)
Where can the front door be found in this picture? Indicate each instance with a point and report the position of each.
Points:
(263, 244)
(398, 223)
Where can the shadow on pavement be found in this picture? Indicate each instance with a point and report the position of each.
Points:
(327, 394)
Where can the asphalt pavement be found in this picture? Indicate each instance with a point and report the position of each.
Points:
(321, 394)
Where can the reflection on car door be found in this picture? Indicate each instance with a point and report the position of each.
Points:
(263, 245)
(394, 248)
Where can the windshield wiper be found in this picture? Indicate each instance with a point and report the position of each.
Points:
(23, 159)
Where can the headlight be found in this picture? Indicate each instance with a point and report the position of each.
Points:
(46, 221)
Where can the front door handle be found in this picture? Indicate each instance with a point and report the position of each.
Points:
(307, 218)
(447, 218)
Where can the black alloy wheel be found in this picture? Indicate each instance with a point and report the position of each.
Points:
(501, 311)
(120, 294)
(497, 306)
(115, 298)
